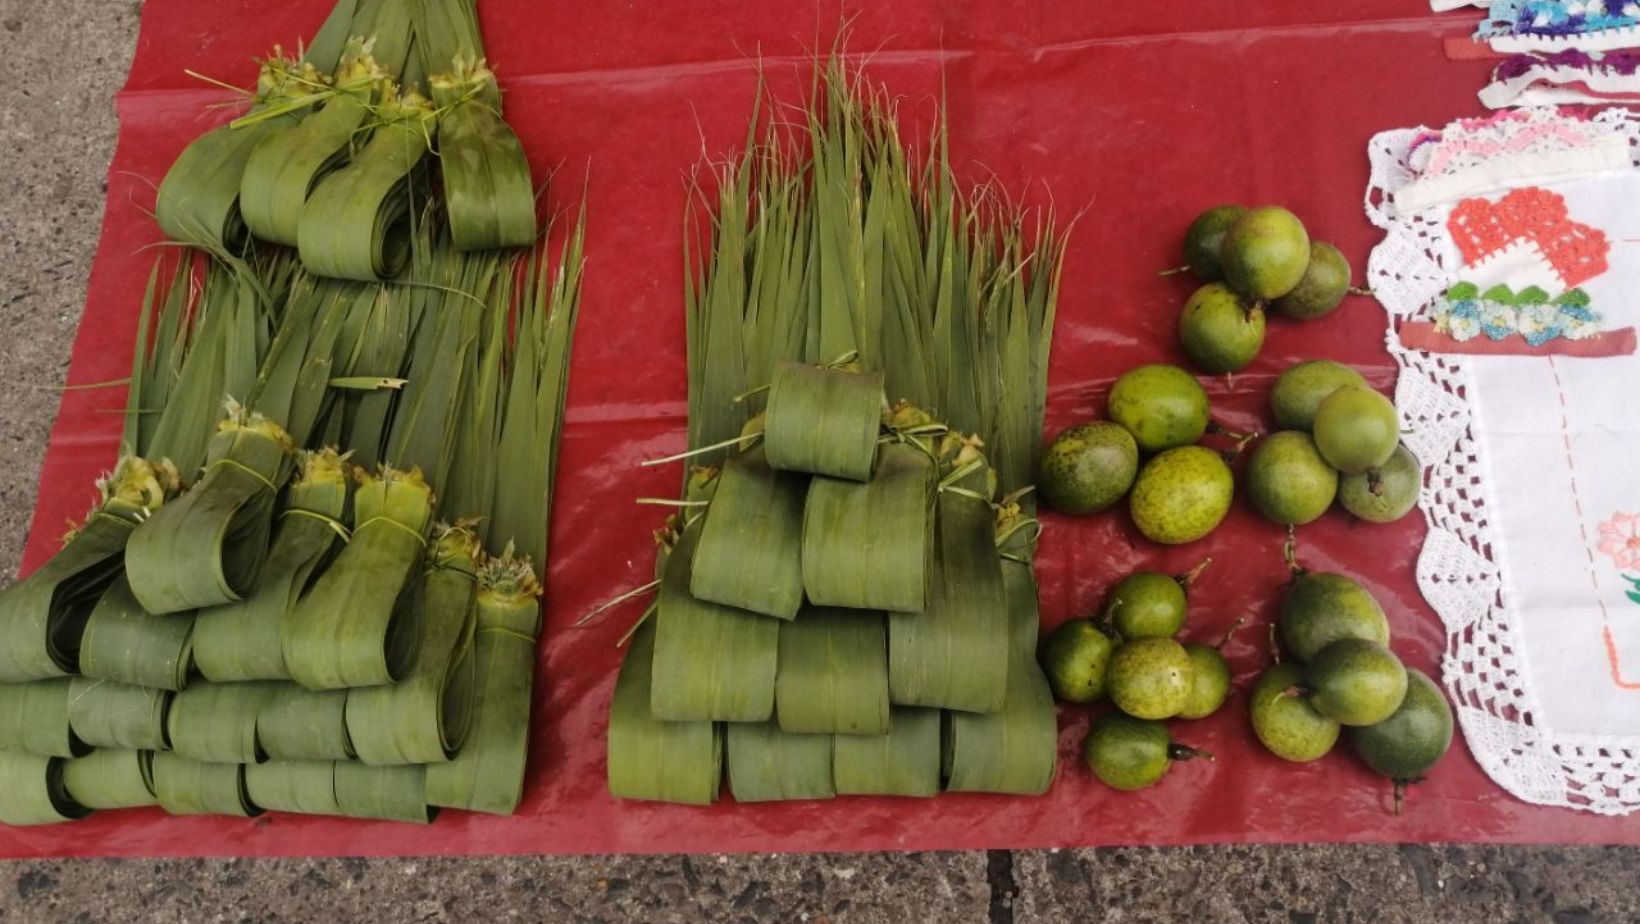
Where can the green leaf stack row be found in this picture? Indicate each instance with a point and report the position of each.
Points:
(311, 583)
(845, 602)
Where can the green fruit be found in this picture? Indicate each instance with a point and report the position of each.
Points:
(1404, 746)
(1356, 682)
(1321, 608)
(1265, 253)
(1075, 658)
(1284, 722)
(1087, 468)
(1219, 331)
(1325, 282)
(1288, 480)
(1149, 678)
(1127, 753)
(1146, 604)
(1210, 681)
(1162, 406)
(1181, 495)
(1302, 388)
(1205, 237)
(1356, 428)
(1385, 494)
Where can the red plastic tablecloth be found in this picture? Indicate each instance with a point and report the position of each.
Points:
(1140, 113)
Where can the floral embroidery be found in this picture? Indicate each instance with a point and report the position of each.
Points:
(1620, 539)
(1499, 314)
(1534, 220)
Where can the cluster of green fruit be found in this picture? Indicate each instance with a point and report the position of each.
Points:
(1338, 439)
(1180, 493)
(1132, 656)
(1250, 259)
(1341, 674)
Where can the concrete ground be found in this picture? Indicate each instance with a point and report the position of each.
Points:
(62, 62)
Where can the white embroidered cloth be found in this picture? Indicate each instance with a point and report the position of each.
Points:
(1523, 401)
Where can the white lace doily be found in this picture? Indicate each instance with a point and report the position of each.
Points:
(1482, 667)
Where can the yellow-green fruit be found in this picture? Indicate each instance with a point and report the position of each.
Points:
(1150, 678)
(1210, 681)
(1181, 495)
(1075, 658)
(1288, 480)
(1302, 388)
(1162, 406)
(1205, 238)
(1320, 608)
(1088, 467)
(1387, 493)
(1404, 746)
(1325, 283)
(1146, 604)
(1219, 331)
(1127, 753)
(1356, 682)
(1285, 723)
(1265, 253)
(1357, 429)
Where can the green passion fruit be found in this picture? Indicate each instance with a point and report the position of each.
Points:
(1288, 480)
(1406, 745)
(1088, 467)
(1075, 658)
(1128, 754)
(1387, 493)
(1219, 331)
(1357, 429)
(1146, 604)
(1205, 238)
(1299, 391)
(1265, 253)
(1210, 681)
(1162, 406)
(1355, 682)
(1287, 725)
(1321, 289)
(1181, 495)
(1149, 678)
(1320, 608)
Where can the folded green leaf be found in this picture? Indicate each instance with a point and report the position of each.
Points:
(34, 719)
(767, 764)
(904, 762)
(389, 793)
(750, 552)
(306, 786)
(867, 545)
(823, 421)
(833, 673)
(192, 787)
(105, 714)
(32, 791)
(653, 759)
(711, 662)
(111, 778)
(126, 644)
(299, 724)
(217, 722)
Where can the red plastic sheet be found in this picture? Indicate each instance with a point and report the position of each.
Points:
(1137, 115)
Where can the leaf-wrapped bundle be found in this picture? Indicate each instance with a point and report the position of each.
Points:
(867, 545)
(192, 787)
(32, 791)
(111, 778)
(304, 725)
(306, 786)
(750, 552)
(34, 719)
(823, 421)
(904, 762)
(127, 644)
(651, 758)
(833, 673)
(767, 764)
(105, 714)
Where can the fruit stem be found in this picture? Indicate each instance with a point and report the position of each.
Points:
(1186, 752)
(1375, 482)
(1289, 553)
(1174, 271)
(1357, 290)
(1232, 633)
(1296, 689)
(1189, 577)
(1275, 647)
(1400, 796)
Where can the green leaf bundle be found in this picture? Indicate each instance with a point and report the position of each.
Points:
(767, 764)
(487, 186)
(111, 778)
(487, 774)
(34, 719)
(424, 717)
(43, 616)
(750, 552)
(653, 759)
(712, 662)
(360, 624)
(357, 222)
(32, 791)
(126, 644)
(954, 653)
(387, 793)
(241, 641)
(191, 787)
(298, 724)
(105, 714)
(216, 722)
(868, 545)
(823, 421)
(903, 762)
(833, 673)
(306, 786)
(208, 547)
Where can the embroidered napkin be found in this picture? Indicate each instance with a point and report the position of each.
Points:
(1511, 273)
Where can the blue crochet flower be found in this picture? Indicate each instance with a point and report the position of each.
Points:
(1499, 321)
